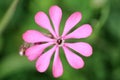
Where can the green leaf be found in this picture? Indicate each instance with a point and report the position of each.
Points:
(7, 17)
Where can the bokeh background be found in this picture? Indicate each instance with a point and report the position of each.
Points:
(17, 16)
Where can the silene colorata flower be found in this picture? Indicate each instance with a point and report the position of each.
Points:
(36, 42)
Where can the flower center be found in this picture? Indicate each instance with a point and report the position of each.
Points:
(60, 42)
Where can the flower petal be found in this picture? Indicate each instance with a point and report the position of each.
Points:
(74, 60)
(71, 22)
(32, 36)
(42, 20)
(56, 14)
(35, 51)
(57, 65)
(44, 60)
(82, 32)
(81, 47)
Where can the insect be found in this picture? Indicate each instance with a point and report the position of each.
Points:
(23, 48)
(26, 45)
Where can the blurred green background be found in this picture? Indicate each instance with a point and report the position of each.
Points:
(17, 16)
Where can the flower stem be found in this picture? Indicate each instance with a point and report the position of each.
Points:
(100, 23)
(8, 15)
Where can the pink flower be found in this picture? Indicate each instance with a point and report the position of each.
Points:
(42, 41)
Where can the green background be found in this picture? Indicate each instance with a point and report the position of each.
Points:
(103, 15)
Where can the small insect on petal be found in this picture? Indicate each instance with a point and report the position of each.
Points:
(24, 47)
(21, 52)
